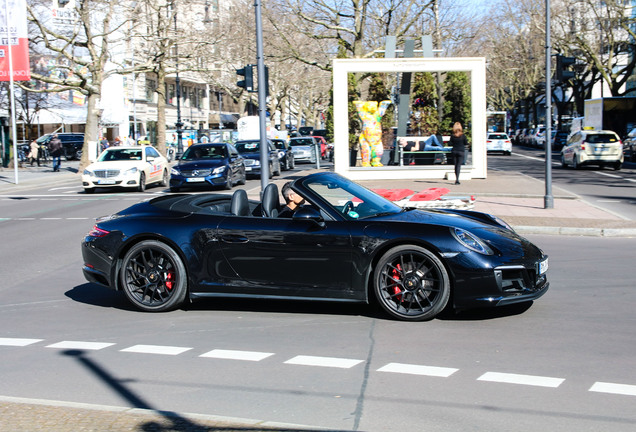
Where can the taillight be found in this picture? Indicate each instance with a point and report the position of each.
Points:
(97, 232)
(583, 145)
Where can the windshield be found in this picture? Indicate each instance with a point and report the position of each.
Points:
(279, 145)
(301, 142)
(338, 191)
(205, 153)
(248, 146)
(120, 155)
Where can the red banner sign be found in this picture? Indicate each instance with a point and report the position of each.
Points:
(14, 41)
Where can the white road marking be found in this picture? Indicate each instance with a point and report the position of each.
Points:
(621, 389)
(334, 362)
(609, 175)
(156, 349)
(81, 345)
(18, 341)
(531, 380)
(411, 369)
(237, 355)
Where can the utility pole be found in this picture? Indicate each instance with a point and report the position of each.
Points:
(548, 200)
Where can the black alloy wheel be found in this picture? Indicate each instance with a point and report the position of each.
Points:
(411, 283)
(153, 277)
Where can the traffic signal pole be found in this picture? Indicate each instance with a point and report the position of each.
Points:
(548, 200)
(262, 97)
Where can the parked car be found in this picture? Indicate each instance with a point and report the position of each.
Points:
(536, 137)
(345, 244)
(205, 165)
(305, 130)
(285, 154)
(559, 140)
(304, 148)
(593, 147)
(497, 142)
(72, 143)
(126, 167)
(251, 152)
(629, 146)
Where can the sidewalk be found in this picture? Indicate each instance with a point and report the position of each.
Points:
(516, 198)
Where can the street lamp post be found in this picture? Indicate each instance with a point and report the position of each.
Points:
(178, 124)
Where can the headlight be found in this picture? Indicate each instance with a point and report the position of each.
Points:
(88, 173)
(219, 170)
(175, 171)
(471, 241)
(130, 171)
(257, 162)
(281, 154)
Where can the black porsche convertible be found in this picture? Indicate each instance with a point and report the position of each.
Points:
(345, 244)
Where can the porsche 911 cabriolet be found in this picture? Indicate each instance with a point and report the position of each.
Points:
(346, 243)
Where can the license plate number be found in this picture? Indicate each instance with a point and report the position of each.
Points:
(195, 179)
(105, 182)
(543, 266)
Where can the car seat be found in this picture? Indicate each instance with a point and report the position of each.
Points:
(240, 206)
(270, 204)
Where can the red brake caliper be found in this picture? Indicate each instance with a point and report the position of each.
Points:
(169, 280)
(396, 276)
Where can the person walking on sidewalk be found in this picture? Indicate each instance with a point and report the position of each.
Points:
(34, 153)
(459, 142)
(55, 150)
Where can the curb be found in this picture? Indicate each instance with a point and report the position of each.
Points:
(570, 231)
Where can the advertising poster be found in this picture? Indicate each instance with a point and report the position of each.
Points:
(13, 33)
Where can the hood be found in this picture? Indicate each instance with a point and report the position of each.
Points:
(198, 164)
(115, 165)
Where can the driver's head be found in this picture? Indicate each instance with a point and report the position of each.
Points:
(292, 199)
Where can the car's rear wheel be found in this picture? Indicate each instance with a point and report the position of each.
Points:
(411, 283)
(563, 163)
(142, 182)
(153, 277)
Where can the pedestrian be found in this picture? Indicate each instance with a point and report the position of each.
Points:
(55, 150)
(103, 143)
(459, 142)
(34, 154)
(117, 141)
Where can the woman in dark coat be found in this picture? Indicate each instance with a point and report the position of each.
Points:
(459, 142)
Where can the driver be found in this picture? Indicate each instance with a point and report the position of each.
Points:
(292, 199)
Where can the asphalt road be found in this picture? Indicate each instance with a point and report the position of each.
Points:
(563, 363)
(612, 190)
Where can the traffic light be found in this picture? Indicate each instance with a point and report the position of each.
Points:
(248, 82)
(562, 64)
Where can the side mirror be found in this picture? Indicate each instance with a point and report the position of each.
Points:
(309, 213)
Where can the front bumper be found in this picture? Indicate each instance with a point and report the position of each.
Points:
(121, 180)
(194, 182)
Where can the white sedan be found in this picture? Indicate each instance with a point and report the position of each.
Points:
(127, 167)
(498, 142)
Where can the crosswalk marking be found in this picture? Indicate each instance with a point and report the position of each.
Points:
(156, 349)
(334, 362)
(531, 380)
(418, 370)
(18, 341)
(621, 389)
(237, 355)
(81, 345)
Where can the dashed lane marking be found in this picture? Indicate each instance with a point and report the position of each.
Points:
(333, 362)
(78, 345)
(418, 370)
(620, 389)
(156, 349)
(237, 355)
(530, 380)
(18, 341)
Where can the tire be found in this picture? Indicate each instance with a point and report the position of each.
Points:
(142, 182)
(277, 173)
(228, 183)
(164, 179)
(575, 164)
(153, 277)
(411, 283)
(617, 166)
(563, 164)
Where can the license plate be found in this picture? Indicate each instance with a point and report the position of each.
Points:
(105, 182)
(543, 266)
(248, 168)
(195, 179)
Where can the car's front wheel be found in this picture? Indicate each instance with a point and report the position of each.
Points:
(142, 182)
(153, 277)
(164, 179)
(411, 283)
